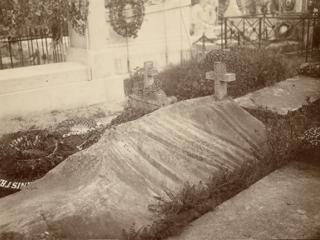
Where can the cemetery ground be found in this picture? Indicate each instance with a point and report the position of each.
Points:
(291, 136)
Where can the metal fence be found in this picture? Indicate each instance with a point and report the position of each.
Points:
(34, 47)
(287, 34)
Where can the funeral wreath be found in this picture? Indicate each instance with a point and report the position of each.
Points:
(289, 5)
(126, 16)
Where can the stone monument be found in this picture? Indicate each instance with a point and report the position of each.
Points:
(221, 79)
(145, 94)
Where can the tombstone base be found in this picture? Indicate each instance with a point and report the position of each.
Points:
(150, 101)
(225, 98)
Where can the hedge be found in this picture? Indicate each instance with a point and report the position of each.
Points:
(254, 69)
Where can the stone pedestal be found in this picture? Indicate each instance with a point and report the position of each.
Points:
(91, 49)
(145, 94)
(151, 101)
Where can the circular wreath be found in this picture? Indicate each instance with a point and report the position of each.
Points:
(280, 34)
(30, 153)
(121, 24)
(288, 5)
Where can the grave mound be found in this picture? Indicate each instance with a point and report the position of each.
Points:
(101, 190)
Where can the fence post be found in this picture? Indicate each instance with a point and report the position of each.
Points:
(1, 64)
(260, 31)
(265, 28)
(10, 52)
(222, 47)
(128, 57)
(303, 36)
(313, 35)
(203, 44)
(225, 32)
(244, 26)
(21, 50)
(308, 40)
(31, 42)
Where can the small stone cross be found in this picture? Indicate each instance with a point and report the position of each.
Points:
(221, 79)
(149, 73)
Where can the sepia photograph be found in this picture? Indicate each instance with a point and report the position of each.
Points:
(159, 119)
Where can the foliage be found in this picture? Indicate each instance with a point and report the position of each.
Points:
(252, 7)
(185, 81)
(254, 69)
(264, 7)
(274, 7)
(134, 81)
(129, 114)
(122, 24)
(16, 16)
(174, 211)
(294, 136)
(310, 69)
(312, 137)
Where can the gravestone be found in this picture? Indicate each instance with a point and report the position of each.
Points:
(145, 94)
(221, 79)
(149, 73)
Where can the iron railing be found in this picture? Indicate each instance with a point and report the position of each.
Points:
(285, 33)
(34, 47)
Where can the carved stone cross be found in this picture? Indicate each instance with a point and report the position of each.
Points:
(149, 73)
(146, 95)
(221, 79)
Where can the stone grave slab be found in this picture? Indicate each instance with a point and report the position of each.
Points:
(285, 96)
(106, 188)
